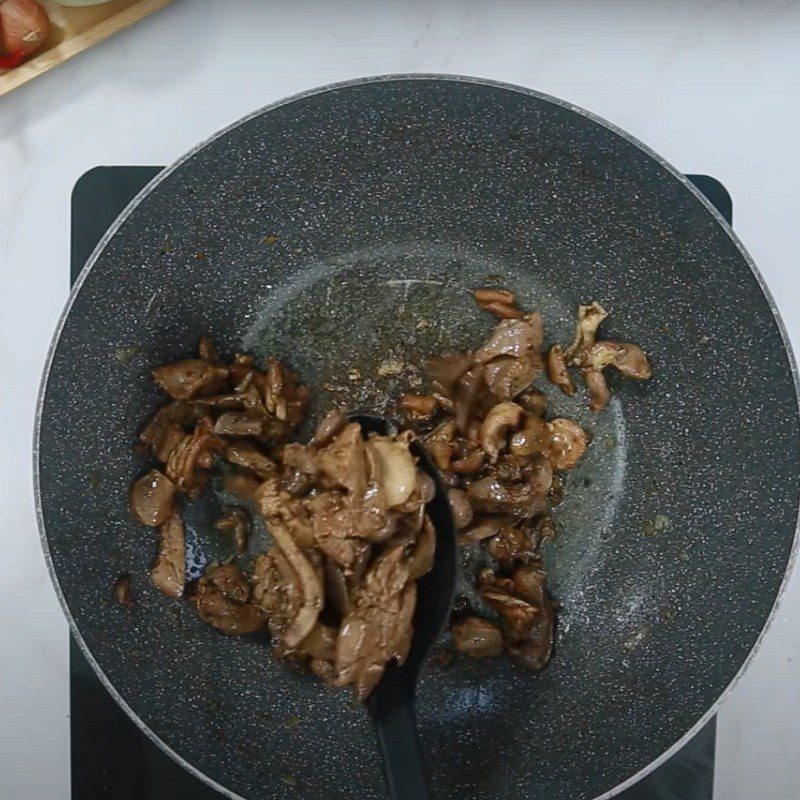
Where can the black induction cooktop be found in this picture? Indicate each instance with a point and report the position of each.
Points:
(111, 758)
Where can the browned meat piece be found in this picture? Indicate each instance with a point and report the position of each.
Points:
(444, 402)
(276, 591)
(378, 629)
(525, 498)
(324, 670)
(230, 580)
(507, 376)
(122, 590)
(368, 639)
(242, 372)
(461, 508)
(533, 401)
(345, 551)
(538, 473)
(535, 321)
(167, 440)
(236, 524)
(526, 612)
(251, 398)
(488, 579)
(534, 653)
(496, 427)
(357, 638)
(589, 319)
(228, 402)
(386, 577)
(489, 495)
(544, 529)
(167, 427)
(344, 460)
(477, 637)
(483, 528)
(300, 458)
(510, 469)
(447, 369)
(185, 379)
(207, 351)
(504, 311)
(241, 423)
(284, 396)
(221, 598)
(467, 391)
(557, 371)
(513, 337)
(169, 568)
(500, 302)
(342, 528)
(511, 544)
(320, 644)
(406, 532)
(629, 359)
(152, 498)
(598, 389)
(472, 463)
(438, 444)
(192, 452)
(534, 649)
(424, 551)
(418, 406)
(490, 294)
(277, 505)
(532, 439)
(568, 443)
(359, 568)
(331, 425)
(517, 616)
(246, 454)
(296, 483)
(271, 498)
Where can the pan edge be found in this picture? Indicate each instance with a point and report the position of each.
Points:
(422, 77)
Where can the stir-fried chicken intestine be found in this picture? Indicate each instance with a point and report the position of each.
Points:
(489, 437)
(593, 357)
(349, 548)
(218, 412)
(346, 513)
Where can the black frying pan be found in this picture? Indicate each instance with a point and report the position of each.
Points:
(389, 200)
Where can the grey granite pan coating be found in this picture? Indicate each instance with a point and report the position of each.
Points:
(342, 228)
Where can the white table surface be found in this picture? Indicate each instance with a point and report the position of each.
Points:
(712, 86)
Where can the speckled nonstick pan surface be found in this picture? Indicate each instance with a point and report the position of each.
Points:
(389, 200)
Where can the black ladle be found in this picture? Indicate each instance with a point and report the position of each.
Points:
(392, 702)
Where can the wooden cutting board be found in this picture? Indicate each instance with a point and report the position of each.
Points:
(74, 30)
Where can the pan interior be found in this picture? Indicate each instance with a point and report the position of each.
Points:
(355, 317)
(342, 231)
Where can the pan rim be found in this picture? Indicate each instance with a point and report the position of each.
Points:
(354, 82)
